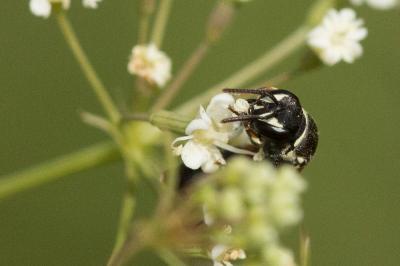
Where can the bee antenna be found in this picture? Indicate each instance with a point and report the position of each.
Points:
(240, 118)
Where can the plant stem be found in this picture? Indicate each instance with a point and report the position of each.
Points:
(84, 159)
(304, 249)
(184, 73)
(161, 22)
(145, 10)
(170, 258)
(87, 68)
(127, 208)
(265, 62)
(126, 214)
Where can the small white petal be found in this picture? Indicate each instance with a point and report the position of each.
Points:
(241, 106)
(93, 4)
(41, 8)
(217, 251)
(334, 40)
(204, 115)
(148, 62)
(196, 124)
(194, 155)
(378, 4)
(214, 161)
(217, 109)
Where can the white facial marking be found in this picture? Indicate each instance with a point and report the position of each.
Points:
(305, 132)
(265, 114)
(274, 122)
(280, 96)
(267, 99)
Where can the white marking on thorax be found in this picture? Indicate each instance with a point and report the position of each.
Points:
(301, 160)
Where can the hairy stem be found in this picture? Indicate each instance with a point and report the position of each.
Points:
(84, 159)
(265, 62)
(183, 75)
(87, 68)
(161, 22)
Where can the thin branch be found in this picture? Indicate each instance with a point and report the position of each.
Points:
(96, 121)
(170, 258)
(126, 214)
(220, 19)
(183, 75)
(161, 22)
(265, 62)
(145, 10)
(87, 68)
(136, 117)
(47, 172)
(304, 249)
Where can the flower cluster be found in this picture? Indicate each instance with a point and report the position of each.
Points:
(148, 62)
(42, 8)
(257, 201)
(338, 37)
(222, 255)
(206, 134)
(378, 4)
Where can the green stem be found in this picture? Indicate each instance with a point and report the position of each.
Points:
(133, 171)
(87, 68)
(146, 8)
(126, 214)
(304, 249)
(183, 75)
(265, 62)
(84, 159)
(170, 258)
(161, 22)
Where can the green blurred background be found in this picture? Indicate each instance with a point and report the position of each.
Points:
(352, 205)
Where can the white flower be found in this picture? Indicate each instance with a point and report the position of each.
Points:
(222, 255)
(42, 8)
(148, 62)
(378, 4)
(279, 256)
(338, 37)
(91, 3)
(206, 134)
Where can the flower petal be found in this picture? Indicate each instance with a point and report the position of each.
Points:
(194, 155)
(41, 8)
(196, 124)
(217, 109)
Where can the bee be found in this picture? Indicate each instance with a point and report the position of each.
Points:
(278, 125)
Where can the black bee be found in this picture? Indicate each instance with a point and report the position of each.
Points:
(276, 122)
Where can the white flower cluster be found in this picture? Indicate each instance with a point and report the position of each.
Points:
(42, 8)
(378, 4)
(257, 201)
(148, 62)
(222, 255)
(338, 37)
(206, 134)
